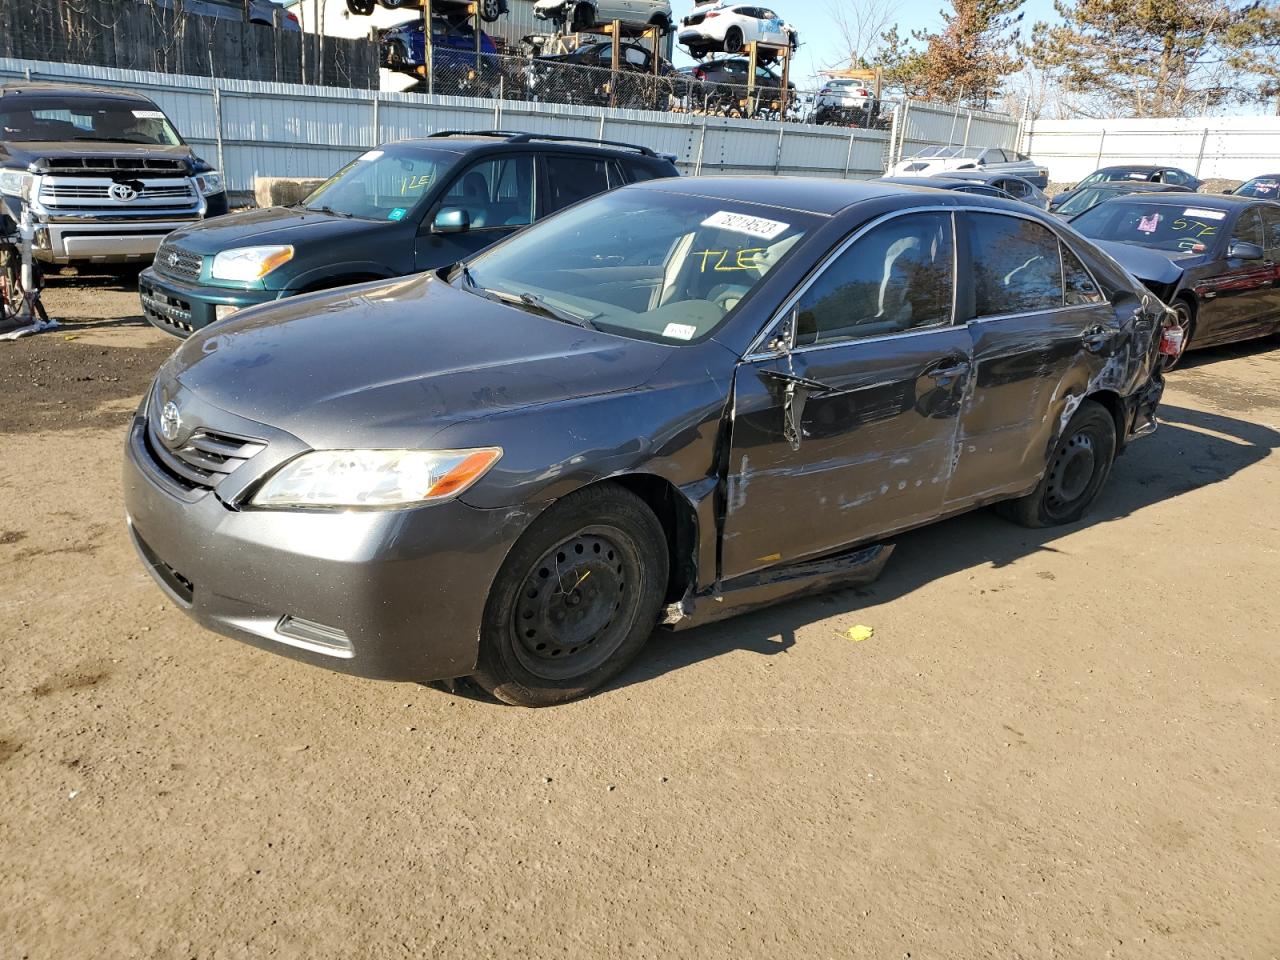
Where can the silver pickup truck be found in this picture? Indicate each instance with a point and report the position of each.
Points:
(105, 174)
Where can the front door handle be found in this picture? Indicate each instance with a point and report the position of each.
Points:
(958, 368)
(1095, 338)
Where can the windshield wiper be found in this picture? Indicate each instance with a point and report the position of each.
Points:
(467, 278)
(537, 303)
(531, 302)
(332, 212)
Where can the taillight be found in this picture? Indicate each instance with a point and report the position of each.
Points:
(713, 13)
(700, 73)
(290, 16)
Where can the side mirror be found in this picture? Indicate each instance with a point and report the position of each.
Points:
(1243, 250)
(451, 220)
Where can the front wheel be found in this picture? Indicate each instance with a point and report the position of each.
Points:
(491, 10)
(1182, 311)
(575, 600)
(1077, 469)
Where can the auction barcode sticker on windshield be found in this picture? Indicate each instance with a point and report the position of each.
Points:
(1204, 214)
(745, 223)
(148, 114)
(680, 331)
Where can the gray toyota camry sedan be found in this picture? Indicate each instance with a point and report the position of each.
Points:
(667, 404)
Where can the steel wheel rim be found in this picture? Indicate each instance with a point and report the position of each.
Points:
(577, 604)
(1072, 472)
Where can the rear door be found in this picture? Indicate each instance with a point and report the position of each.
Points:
(849, 434)
(1041, 330)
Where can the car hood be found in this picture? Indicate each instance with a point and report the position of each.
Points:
(25, 153)
(391, 363)
(271, 225)
(1151, 266)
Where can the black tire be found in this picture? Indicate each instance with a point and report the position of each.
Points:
(1076, 473)
(392, 4)
(734, 40)
(1187, 321)
(360, 8)
(491, 10)
(547, 638)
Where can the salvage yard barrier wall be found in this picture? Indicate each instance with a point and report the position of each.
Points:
(1227, 148)
(252, 129)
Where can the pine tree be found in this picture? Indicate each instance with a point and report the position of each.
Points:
(1159, 58)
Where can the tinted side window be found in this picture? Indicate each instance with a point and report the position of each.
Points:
(1271, 230)
(575, 178)
(898, 277)
(1080, 287)
(1016, 265)
(1249, 228)
(496, 193)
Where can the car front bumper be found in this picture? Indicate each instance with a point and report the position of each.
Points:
(385, 594)
(182, 308)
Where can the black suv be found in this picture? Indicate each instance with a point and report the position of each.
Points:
(401, 208)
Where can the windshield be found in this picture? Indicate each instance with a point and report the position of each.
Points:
(74, 118)
(384, 184)
(1266, 188)
(1171, 227)
(643, 263)
(948, 153)
(1082, 200)
(1116, 174)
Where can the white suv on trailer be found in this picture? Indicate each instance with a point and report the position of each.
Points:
(729, 27)
(584, 14)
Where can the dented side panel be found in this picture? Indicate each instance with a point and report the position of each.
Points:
(835, 445)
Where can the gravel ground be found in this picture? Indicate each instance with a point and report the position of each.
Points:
(1056, 744)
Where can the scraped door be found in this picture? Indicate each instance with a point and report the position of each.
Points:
(850, 435)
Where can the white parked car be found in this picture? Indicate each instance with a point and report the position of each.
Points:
(842, 94)
(729, 27)
(935, 161)
(584, 14)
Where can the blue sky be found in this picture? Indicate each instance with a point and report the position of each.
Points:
(819, 45)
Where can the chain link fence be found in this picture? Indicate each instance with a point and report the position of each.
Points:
(550, 81)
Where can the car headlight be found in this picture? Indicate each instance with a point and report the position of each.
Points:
(209, 182)
(15, 183)
(249, 263)
(375, 478)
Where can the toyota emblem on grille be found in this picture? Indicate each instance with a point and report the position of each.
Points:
(122, 192)
(170, 422)
(172, 260)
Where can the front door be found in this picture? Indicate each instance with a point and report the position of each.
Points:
(1041, 331)
(1238, 302)
(498, 195)
(849, 435)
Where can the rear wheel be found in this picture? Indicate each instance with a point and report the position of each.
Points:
(575, 600)
(1078, 468)
(733, 40)
(491, 10)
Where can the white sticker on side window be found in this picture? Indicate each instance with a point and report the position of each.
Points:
(1201, 214)
(369, 156)
(680, 331)
(148, 114)
(745, 223)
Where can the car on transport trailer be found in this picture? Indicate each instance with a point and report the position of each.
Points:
(671, 402)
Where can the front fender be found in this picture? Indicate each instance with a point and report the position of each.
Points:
(359, 271)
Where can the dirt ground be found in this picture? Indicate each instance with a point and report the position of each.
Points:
(1056, 744)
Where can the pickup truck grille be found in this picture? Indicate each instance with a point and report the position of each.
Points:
(114, 166)
(201, 462)
(173, 261)
(152, 196)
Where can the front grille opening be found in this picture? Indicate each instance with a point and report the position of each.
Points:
(173, 261)
(180, 586)
(201, 462)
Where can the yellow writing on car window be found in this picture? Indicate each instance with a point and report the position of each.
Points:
(1194, 227)
(414, 184)
(728, 261)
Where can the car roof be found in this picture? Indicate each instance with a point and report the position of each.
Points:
(1139, 167)
(937, 183)
(463, 143)
(981, 176)
(86, 91)
(1139, 186)
(1209, 201)
(817, 195)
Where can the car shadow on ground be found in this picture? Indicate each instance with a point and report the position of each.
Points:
(95, 278)
(1192, 449)
(1227, 351)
